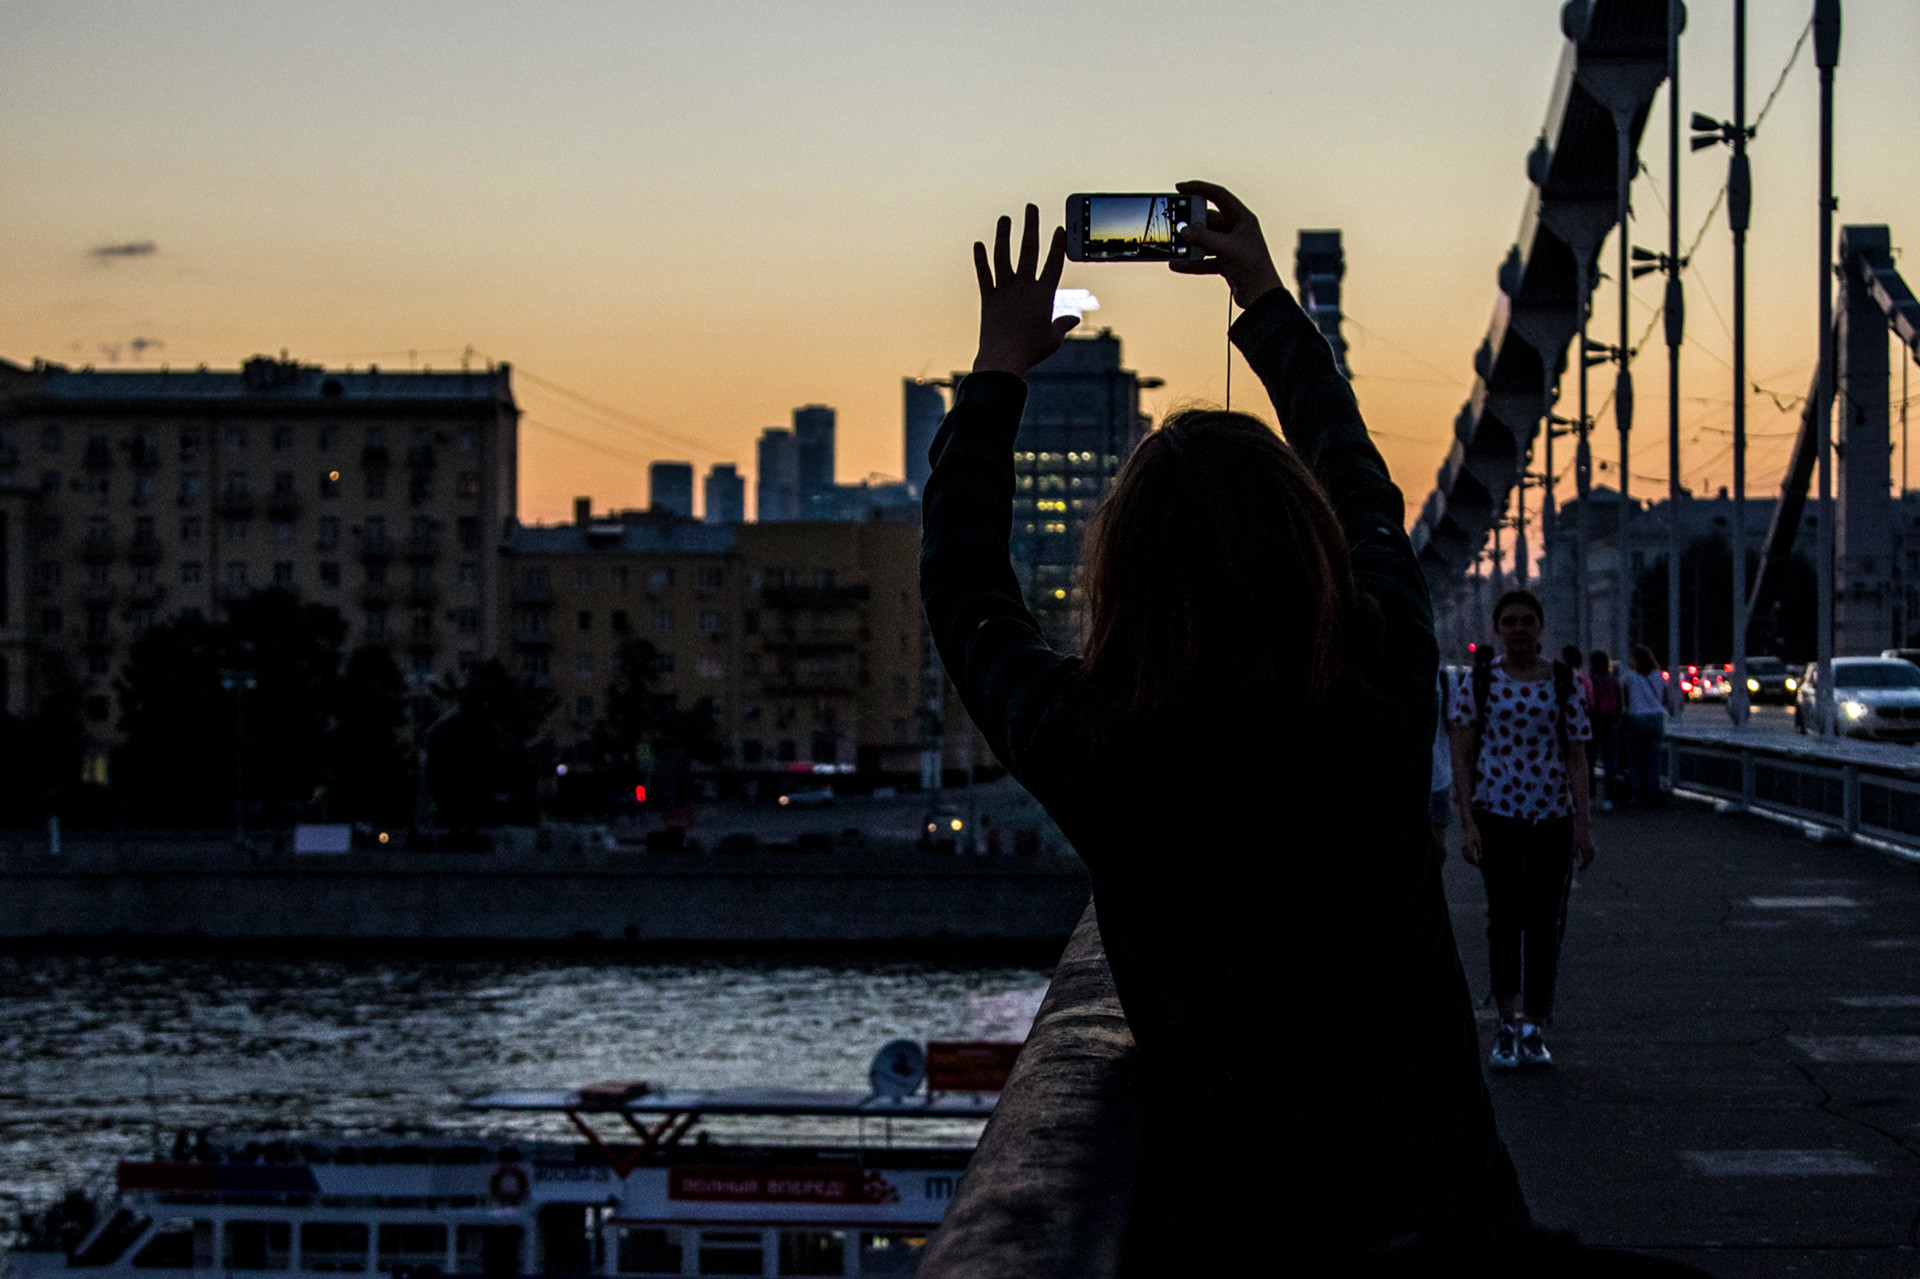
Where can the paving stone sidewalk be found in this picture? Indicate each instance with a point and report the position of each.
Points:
(1737, 1032)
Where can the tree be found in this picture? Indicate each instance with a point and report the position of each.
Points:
(370, 776)
(40, 751)
(487, 760)
(176, 764)
(637, 715)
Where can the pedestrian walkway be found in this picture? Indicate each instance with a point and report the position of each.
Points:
(1738, 1044)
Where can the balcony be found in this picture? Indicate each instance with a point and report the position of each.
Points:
(9, 455)
(375, 457)
(144, 548)
(99, 592)
(283, 505)
(815, 596)
(791, 641)
(420, 457)
(375, 547)
(422, 595)
(97, 548)
(98, 639)
(423, 639)
(533, 639)
(809, 686)
(376, 594)
(423, 546)
(235, 504)
(98, 457)
(146, 593)
(142, 456)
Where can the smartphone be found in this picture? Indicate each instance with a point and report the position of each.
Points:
(1131, 228)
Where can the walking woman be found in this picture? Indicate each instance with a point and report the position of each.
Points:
(1645, 689)
(1520, 734)
(1241, 756)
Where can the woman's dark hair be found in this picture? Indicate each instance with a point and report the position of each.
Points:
(1520, 599)
(1570, 656)
(1216, 580)
(1598, 662)
(1643, 660)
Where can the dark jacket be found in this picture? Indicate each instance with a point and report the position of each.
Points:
(1264, 883)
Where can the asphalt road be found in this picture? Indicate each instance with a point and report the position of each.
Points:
(1738, 1044)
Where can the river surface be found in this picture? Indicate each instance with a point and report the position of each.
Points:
(98, 1054)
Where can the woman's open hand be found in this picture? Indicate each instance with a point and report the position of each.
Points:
(1017, 328)
(1233, 243)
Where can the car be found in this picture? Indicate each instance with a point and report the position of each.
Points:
(1904, 654)
(1769, 680)
(814, 797)
(1878, 698)
(1705, 683)
(945, 830)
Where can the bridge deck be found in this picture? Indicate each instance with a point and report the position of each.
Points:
(1738, 1037)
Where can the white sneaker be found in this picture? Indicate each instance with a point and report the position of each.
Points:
(1506, 1047)
(1533, 1048)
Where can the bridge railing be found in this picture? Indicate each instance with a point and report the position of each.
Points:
(1862, 791)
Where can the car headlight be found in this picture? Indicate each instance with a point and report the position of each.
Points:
(1792, 685)
(1854, 710)
(1753, 686)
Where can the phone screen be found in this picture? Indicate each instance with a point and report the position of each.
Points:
(1130, 227)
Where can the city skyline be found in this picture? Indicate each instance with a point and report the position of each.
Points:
(593, 217)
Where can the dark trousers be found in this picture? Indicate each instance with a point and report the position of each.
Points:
(1643, 757)
(1606, 753)
(1528, 868)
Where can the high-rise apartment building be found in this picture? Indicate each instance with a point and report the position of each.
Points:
(670, 487)
(778, 495)
(923, 409)
(131, 496)
(726, 494)
(813, 431)
(1081, 421)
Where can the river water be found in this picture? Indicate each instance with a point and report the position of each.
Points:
(98, 1054)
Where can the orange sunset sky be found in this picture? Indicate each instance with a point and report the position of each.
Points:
(703, 215)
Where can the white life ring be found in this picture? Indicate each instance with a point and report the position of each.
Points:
(508, 1185)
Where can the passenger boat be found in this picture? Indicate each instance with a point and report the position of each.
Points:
(656, 1181)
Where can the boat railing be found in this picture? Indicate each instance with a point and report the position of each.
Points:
(1050, 1188)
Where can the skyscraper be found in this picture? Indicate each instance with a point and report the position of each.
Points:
(670, 487)
(924, 407)
(778, 497)
(813, 429)
(726, 495)
(1081, 421)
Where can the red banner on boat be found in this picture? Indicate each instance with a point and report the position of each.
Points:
(780, 1185)
(978, 1066)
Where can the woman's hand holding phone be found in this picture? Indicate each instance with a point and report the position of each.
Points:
(1233, 243)
(1017, 325)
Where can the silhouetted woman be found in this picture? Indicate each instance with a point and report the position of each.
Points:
(1242, 759)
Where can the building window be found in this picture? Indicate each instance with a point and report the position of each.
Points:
(663, 621)
(50, 483)
(329, 436)
(236, 573)
(376, 484)
(236, 530)
(97, 669)
(467, 661)
(329, 532)
(710, 623)
(583, 708)
(584, 620)
(467, 621)
(189, 443)
(784, 752)
(50, 620)
(190, 528)
(330, 572)
(710, 668)
(283, 483)
(750, 622)
(583, 578)
(468, 531)
(468, 442)
(282, 438)
(376, 623)
(662, 664)
(750, 751)
(236, 484)
(50, 437)
(50, 573)
(711, 579)
(329, 484)
(99, 484)
(189, 572)
(236, 439)
(533, 666)
(143, 487)
(583, 665)
(469, 573)
(469, 484)
(751, 663)
(50, 527)
(617, 621)
(283, 574)
(660, 579)
(617, 578)
(283, 532)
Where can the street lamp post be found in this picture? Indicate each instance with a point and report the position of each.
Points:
(1826, 56)
(239, 681)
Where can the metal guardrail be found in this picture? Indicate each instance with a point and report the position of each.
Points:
(1865, 792)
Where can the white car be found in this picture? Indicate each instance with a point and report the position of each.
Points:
(1876, 697)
